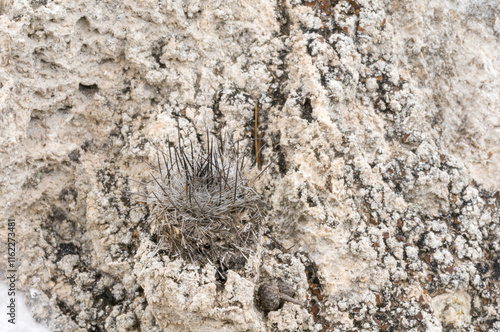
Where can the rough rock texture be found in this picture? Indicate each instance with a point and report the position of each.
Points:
(383, 200)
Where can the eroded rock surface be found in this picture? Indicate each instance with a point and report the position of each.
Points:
(383, 117)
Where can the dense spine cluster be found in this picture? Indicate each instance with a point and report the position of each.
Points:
(203, 207)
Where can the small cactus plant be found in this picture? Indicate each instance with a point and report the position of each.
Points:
(203, 207)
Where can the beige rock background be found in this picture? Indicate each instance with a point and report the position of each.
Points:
(383, 202)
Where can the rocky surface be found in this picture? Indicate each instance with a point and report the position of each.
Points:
(383, 117)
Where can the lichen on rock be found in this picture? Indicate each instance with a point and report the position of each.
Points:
(383, 200)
